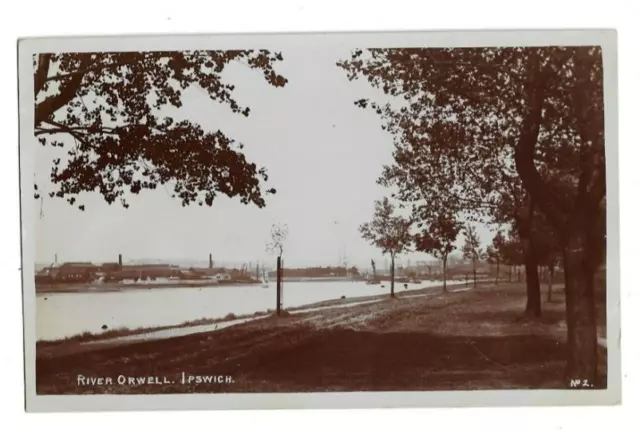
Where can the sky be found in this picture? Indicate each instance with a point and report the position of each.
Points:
(323, 155)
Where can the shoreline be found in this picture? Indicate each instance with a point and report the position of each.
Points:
(86, 338)
(123, 288)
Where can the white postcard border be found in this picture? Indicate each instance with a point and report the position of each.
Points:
(607, 39)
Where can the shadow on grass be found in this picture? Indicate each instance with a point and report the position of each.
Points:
(301, 359)
(512, 316)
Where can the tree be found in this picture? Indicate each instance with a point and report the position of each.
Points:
(511, 253)
(438, 239)
(491, 255)
(389, 232)
(107, 107)
(279, 235)
(467, 166)
(547, 103)
(494, 252)
(471, 249)
(547, 248)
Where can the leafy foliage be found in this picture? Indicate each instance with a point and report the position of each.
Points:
(462, 117)
(389, 232)
(493, 251)
(438, 237)
(110, 104)
(510, 250)
(471, 249)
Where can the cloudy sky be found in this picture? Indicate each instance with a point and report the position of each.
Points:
(323, 155)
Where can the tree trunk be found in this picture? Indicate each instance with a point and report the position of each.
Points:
(475, 283)
(534, 306)
(497, 270)
(523, 224)
(444, 274)
(581, 323)
(510, 271)
(393, 268)
(550, 283)
(570, 220)
(278, 284)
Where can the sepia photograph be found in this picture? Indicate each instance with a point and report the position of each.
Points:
(403, 219)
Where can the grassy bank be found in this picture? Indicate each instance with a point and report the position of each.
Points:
(470, 339)
(88, 337)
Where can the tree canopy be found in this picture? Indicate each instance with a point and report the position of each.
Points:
(438, 237)
(471, 249)
(110, 104)
(464, 113)
(387, 231)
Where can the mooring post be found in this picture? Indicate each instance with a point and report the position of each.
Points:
(278, 284)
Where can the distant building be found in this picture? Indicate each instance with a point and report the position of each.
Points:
(209, 273)
(109, 267)
(143, 272)
(223, 277)
(76, 272)
(47, 275)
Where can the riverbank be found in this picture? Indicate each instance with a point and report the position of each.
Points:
(42, 289)
(422, 340)
(119, 287)
(81, 341)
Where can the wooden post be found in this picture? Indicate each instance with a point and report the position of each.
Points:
(278, 284)
(444, 274)
(475, 284)
(393, 266)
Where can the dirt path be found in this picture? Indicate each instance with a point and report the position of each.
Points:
(470, 339)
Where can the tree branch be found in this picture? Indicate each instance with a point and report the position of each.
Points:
(61, 128)
(548, 203)
(45, 109)
(86, 69)
(41, 73)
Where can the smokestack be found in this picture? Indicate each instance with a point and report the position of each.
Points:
(55, 259)
(210, 262)
(120, 260)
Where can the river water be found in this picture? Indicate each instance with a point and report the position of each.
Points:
(67, 314)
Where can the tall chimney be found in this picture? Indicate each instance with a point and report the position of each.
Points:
(55, 259)
(210, 262)
(120, 260)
